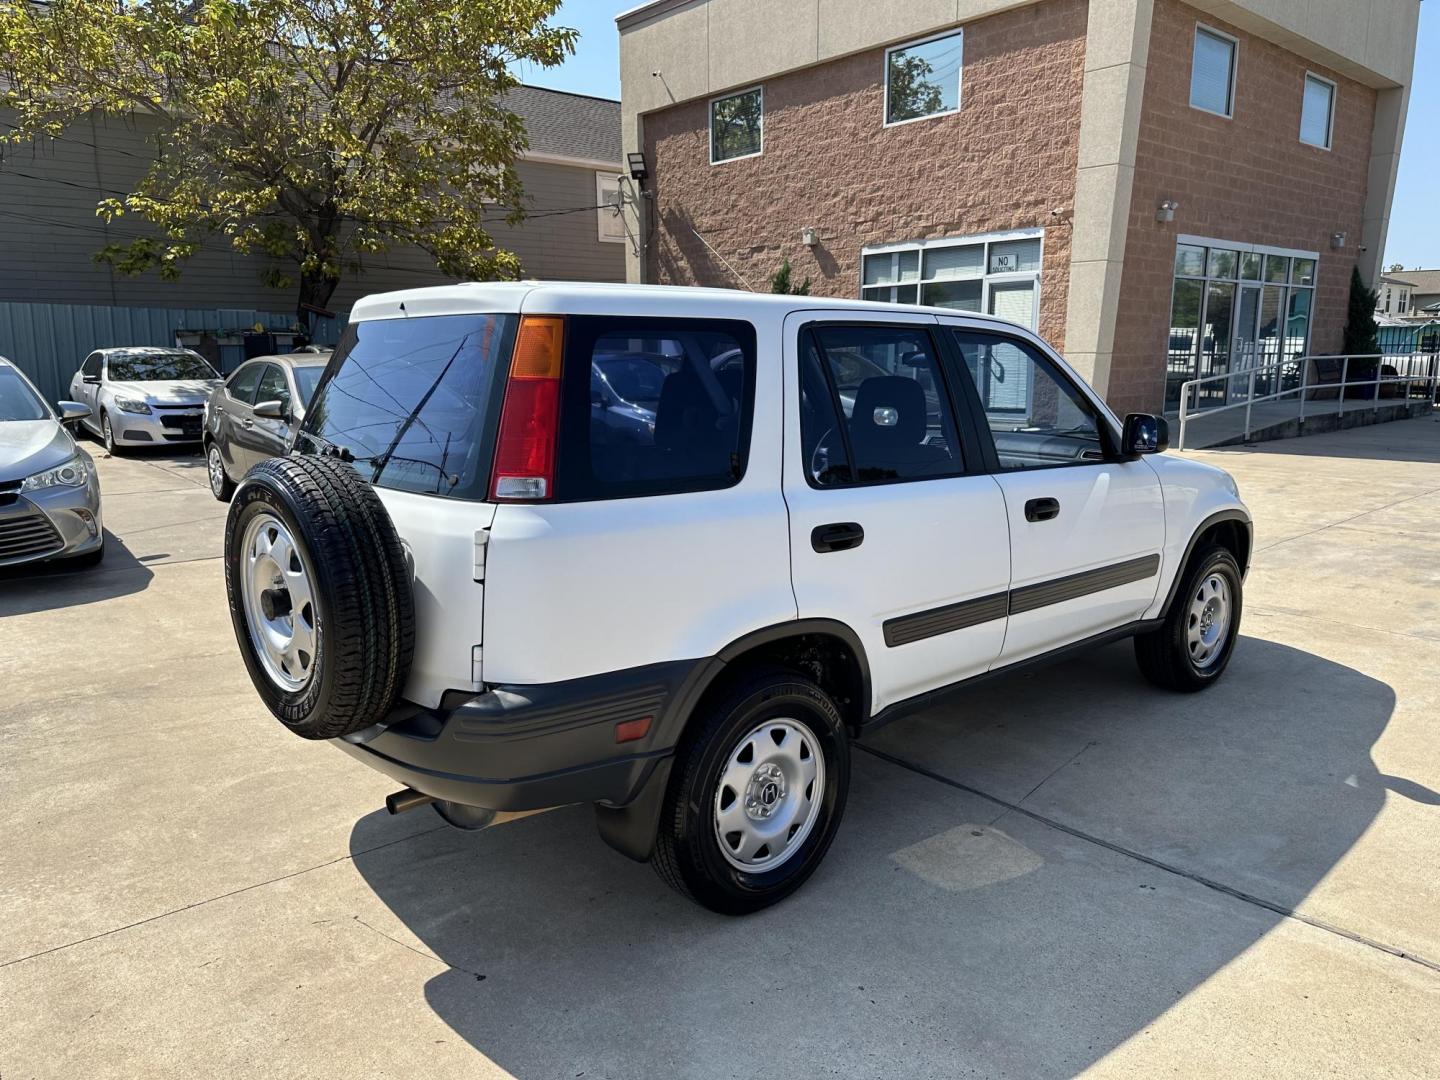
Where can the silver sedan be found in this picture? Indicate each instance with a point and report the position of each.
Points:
(49, 493)
(144, 396)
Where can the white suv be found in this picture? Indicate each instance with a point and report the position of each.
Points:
(668, 550)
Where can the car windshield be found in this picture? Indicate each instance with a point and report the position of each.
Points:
(159, 366)
(306, 379)
(17, 400)
(409, 401)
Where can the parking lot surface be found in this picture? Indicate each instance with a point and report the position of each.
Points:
(1063, 871)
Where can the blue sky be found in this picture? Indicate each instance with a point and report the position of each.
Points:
(1415, 224)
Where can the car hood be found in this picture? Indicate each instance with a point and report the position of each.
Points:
(31, 446)
(168, 392)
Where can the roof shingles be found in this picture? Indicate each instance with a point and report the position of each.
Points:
(568, 125)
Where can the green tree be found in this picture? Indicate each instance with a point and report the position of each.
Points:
(782, 283)
(1362, 333)
(912, 93)
(312, 132)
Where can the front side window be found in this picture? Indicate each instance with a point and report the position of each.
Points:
(888, 415)
(17, 400)
(924, 79)
(159, 366)
(273, 387)
(243, 383)
(1212, 74)
(654, 407)
(736, 125)
(1036, 416)
(413, 401)
(1317, 113)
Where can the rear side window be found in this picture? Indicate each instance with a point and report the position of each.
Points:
(243, 383)
(895, 420)
(654, 406)
(414, 401)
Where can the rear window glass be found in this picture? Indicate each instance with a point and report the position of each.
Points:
(414, 401)
(654, 406)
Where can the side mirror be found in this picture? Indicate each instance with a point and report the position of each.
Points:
(270, 410)
(70, 411)
(1144, 434)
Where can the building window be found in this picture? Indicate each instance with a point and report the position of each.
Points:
(1236, 307)
(1212, 75)
(737, 125)
(1317, 113)
(611, 208)
(923, 79)
(1404, 305)
(998, 275)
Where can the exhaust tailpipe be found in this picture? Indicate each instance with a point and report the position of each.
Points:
(406, 799)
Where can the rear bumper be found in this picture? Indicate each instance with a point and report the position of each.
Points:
(532, 747)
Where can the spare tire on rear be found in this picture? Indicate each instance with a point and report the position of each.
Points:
(319, 595)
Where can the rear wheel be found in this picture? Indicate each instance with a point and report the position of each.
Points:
(221, 486)
(319, 595)
(756, 796)
(1192, 649)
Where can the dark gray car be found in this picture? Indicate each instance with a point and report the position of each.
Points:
(49, 493)
(252, 416)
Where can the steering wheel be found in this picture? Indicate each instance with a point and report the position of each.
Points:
(820, 456)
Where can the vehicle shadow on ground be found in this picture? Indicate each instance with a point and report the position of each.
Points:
(48, 586)
(1414, 440)
(944, 935)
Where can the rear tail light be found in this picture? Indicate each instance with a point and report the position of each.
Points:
(530, 419)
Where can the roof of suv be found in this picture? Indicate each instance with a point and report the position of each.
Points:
(546, 297)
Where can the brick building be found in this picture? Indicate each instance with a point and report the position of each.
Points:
(1162, 189)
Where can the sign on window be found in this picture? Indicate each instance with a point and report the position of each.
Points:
(1003, 262)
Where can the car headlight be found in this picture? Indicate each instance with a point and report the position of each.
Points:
(71, 474)
(133, 405)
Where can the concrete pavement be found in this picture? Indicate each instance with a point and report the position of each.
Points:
(1060, 872)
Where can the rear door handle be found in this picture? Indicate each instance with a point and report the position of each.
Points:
(837, 536)
(1042, 509)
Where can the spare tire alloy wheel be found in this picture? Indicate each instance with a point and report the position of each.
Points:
(319, 595)
(275, 586)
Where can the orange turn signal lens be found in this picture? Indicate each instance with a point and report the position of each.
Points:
(630, 730)
(538, 348)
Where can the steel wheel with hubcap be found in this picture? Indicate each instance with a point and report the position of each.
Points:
(1193, 646)
(765, 804)
(1209, 621)
(221, 485)
(756, 793)
(275, 587)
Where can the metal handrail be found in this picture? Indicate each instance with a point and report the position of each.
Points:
(1276, 370)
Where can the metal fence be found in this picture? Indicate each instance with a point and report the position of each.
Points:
(1231, 407)
(49, 341)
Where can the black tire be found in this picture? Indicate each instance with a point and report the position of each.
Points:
(1164, 655)
(687, 854)
(224, 490)
(107, 435)
(365, 617)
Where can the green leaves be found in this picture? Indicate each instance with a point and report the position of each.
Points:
(313, 132)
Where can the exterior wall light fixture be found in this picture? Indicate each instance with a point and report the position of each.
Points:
(1337, 240)
(639, 171)
(1165, 212)
(809, 237)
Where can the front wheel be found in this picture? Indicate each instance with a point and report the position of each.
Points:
(1191, 650)
(221, 486)
(107, 435)
(756, 796)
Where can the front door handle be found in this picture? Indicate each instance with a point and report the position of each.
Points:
(1042, 509)
(838, 536)
(248, 423)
